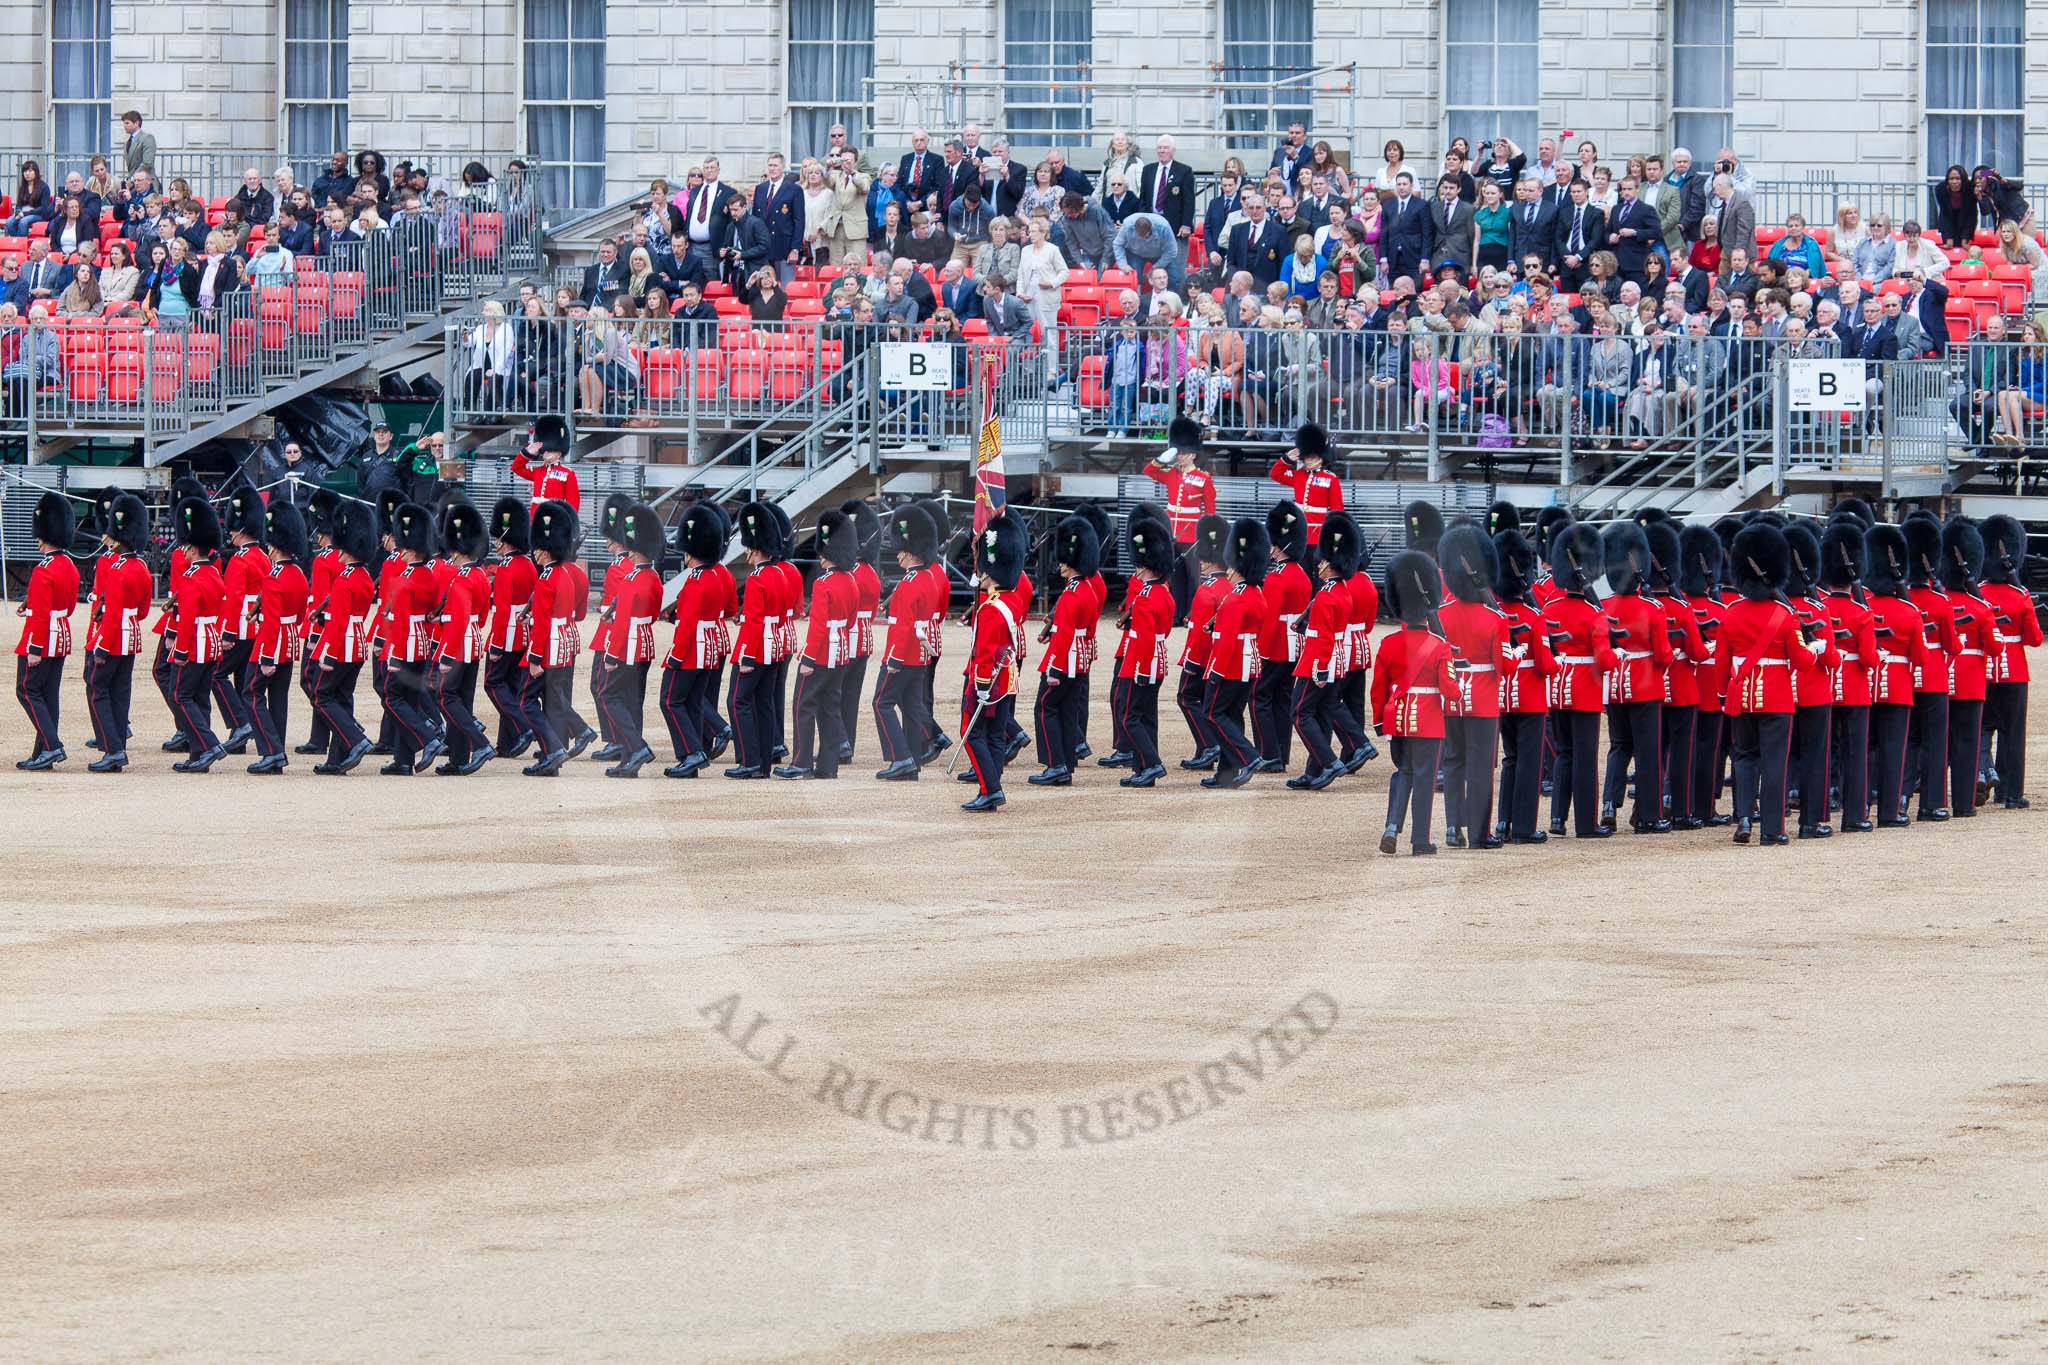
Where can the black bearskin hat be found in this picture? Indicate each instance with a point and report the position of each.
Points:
(1251, 549)
(1514, 565)
(1804, 548)
(286, 530)
(1575, 556)
(1077, 547)
(615, 505)
(1647, 517)
(388, 503)
(644, 534)
(1150, 546)
(462, 528)
(1312, 442)
(127, 523)
(55, 522)
(1424, 523)
(354, 531)
(788, 541)
(1962, 556)
(509, 523)
(1150, 511)
(1841, 554)
(1184, 433)
(867, 526)
(999, 551)
(555, 530)
(195, 525)
(1699, 553)
(760, 530)
(1503, 516)
(1092, 513)
(2005, 549)
(1625, 554)
(412, 528)
(910, 530)
(1341, 545)
(1212, 541)
(838, 541)
(1725, 531)
(552, 433)
(702, 533)
(321, 510)
(185, 486)
(96, 521)
(1547, 522)
(1666, 554)
(1760, 559)
(1414, 587)
(1923, 548)
(1857, 508)
(244, 513)
(1469, 562)
(1884, 550)
(1287, 528)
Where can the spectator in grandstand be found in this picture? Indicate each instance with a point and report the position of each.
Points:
(894, 234)
(1873, 256)
(763, 294)
(778, 202)
(928, 243)
(1145, 242)
(1917, 250)
(1952, 208)
(71, 229)
(1000, 256)
(272, 265)
(334, 184)
(256, 203)
(32, 357)
(1120, 164)
(844, 224)
(487, 383)
(749, 244)
(138, 148)
(1796, 248)
(81, 298)
(1407, 239)
(1924, 307)
(1735, 217)
(1003, 181)
(2020, 405)
(956, 293)
(213, 277)
(162, 293)
(1007, 316)
(1043, 195)
(609, 375)
(1120, 203)
(967, 223)
(1999, 200)
(539, 348)
(2016, 248)
(44, 278)
(1084, 233)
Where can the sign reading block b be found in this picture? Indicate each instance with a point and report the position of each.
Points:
(1824, 385)
(908, 365)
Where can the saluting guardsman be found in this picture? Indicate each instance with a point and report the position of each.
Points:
(1409, 682)
(992, 662)
(283, 601)
(629, 645)
(1637, 634)
(247, 567)
(45, 641)
(1319, 710)
(341, 644)
(1764, 642)
(200, 602)
(1813, 685)
(1962, 563)
(1476, 630)
(407, 611)
(2016, 628)
(827, 650)
(1310, 486)
(867, 586)
(703, 602)
(749, 705)
(511, 610)
(916, 604)
(461, 633)
(1190, 496)
(602, 652)
(1234, 653)
(1141, 652)
(1901, 643)
(121, 590)
(1524, 703)
(1682, 679)
(556, 640)
(1120, 754)
(1577, 631)
(1069, 652)
(1699, 578)
(1211, 555)
(1842, 565)
(1287, 590)
(322, 520)
(165, 626)
(1927, 740)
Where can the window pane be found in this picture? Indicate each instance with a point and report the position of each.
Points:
(547, 19)
(547, 71)
(1702, 77)
(586, 19)
(1702, 133)
(2003, 70)
(1047, 41)
(1518, 80)
(1516, 20)
(2002, 137)
(1468, 75)
(1468, 21)
(586, 77)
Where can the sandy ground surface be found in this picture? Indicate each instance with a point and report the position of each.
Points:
(308, 1069)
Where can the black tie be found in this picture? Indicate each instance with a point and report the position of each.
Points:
(1578, 229)
(1529, 216)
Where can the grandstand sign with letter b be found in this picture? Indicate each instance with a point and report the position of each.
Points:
(906, 365)
(1824, 385)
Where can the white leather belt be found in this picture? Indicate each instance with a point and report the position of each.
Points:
(1423, 692)
(1634, 653)
(1476, 668)
(1967, 653)
(1849, 658)
(1576, 660)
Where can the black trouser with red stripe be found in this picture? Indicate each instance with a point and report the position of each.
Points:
(37, 686)
(1890, 722)
(1273, 709)
(1812, 728)
(856, 677)
(1929, 740)
(1135, 704)
(1761, 744)
(902, 722)
(1965, 732)
(407, 706)
(1319, 714)
(109, 685)
(1680, 725)
(985, 742)
(162, 673)
(267, 701)
(541, 710)
(601, 667)
(455, 695)
(503, 670)
(1057, 714)
(819, 697)
(1575, 771)
(624, 704)
(1413, 785)
(682, 706)
(333, 691)
(1225, 714)
(1521, 769)
(231, 682)
(380, 683)
(1192, 698)
(1470, 744)
(193, 685)
(1635, 734)
(1710, 731)
(777, 699)
(1852, 731)
(2005, 712)
(747, 705)
(1351, 694)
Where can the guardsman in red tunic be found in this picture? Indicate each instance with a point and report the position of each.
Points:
(200, 603)
(1120, 754)
(408, 609)
(506, 635)
(1210, 553)
(1901, 645)
(689, 676)
(461, 632)
(1234, 652)
(901, 723)
(321, 514)
(562, 701)
(992, 661)
(1577, 631)
(555, 640)
(1813, 685)
(867, 586)
(544, 464)
(1190, 496)
(934, 740)
(1699, 577)
(1927, 741)
(749, 705)
(246, 568)
(1842, 564)
(788, 583)
(1311, 487)
(166, 623)
(1069, 641)
(1357, 652)
(1288, 590)
(1524, 702)
(1098, 588)
(341, 642)
(121, 589)
(636, 605)
(1141, 652)
(1962, 563)
(1325, 661)
(1761, 634)
(1018, 600)
(601, 648)
(1409, 682)
(1476, 630)
(1635, 685)
(46, 632)
(826, 651)
(389, 567)
(2016, 628)
(284, 601)
(1682, 679)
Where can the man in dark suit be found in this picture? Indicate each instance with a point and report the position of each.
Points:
(917, 174)
(960, 171)
(747, 246)
(1406, 235)
(1003, 181)
(1450, 219)
(1928, 304)
(1580, 230)
(1007, 316)
(604, 281)
(1119, 202)
(697, 320)
(1630, 229)
(1066, 177)
(1167, 188)
(44, 277)
(256, 201)
(707, 218)
(1557, 187)
(89, 204)
(1257, 245)
(1292, 154)
(959, 293)
(1532, 228)
(779, 202)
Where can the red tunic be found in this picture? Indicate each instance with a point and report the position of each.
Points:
(700, 621)
(1763, 643)
(1644, 651)
(1688, 652)
(51, 598)
(635, 604)
(1814, 684)
(180, 558)
(344, 629)
(1409, 686)
(465, 616)
(1071, 649)
(1711, 676)
(1522, 686)
(121, 589)
(834, 600)
(910, 620)
(1194, 651)
(1148, 620)
(511, 595)
(244, 576)
(1578, 639)
(867, 586)
(1323, 644)
(1190, 496)
(1855, 648)
(1480, 654)
(939, 601)
(1018, 600)
(1968, 666)
(1938, 632)
(601, 638)
(992, 662)
(760, 599)
(413, 598)
(1365, 609)
(557, 637)
(551, 482)
(280, 629)
(1234, 634)
(2015, 628)
(326, 565)
(1900, 640)
(1287, 594)
(1317, 494)
(201, 598)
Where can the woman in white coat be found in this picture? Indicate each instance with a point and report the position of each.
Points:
(1041, 272)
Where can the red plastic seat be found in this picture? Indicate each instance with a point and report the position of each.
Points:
(745, 375)
(482, 233)
(662, 371)
(1092, 391)
(1962, 272)
(2015, 284)
(202, 354)
(710, 368)
(83, 372)
(124, 377)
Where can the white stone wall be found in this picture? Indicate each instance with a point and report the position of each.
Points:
(21, 98)
(204, 76)
(434, 79)
(1605, 76)
(1860, 113)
